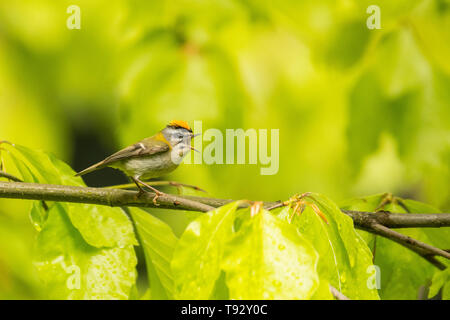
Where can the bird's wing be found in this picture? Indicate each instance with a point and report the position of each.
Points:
(139, 149)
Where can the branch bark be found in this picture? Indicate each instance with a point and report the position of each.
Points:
(101, 196)
(117, 197)
(426, 251)
(375, 222)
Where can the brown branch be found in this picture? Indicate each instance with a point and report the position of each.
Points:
(117, 197)
(377, 223)
(426, 251)
(401, 220)
(101, 196)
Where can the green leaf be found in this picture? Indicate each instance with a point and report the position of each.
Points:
(72, 269)
(323, 291)
(403, 272)
(37, 212)
(197, 258)
(440, 280)
(38, 215)
(27, 174)
(268, 259)
(220, 291)
(100, 226)
(158, 242)
(367, 204)
(49, 168)
(93, 242)
(344, 258)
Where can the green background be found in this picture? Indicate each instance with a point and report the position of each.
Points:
(359, 111)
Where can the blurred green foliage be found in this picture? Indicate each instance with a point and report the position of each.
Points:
(359, 111)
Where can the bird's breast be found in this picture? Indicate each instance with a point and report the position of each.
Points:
(150, 167)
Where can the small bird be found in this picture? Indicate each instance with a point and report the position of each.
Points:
(151, 157)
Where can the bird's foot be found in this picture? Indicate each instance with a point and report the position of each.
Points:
(141, 192)
(156, 191)
(157, 195)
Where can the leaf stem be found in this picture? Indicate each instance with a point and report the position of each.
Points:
(8, 176)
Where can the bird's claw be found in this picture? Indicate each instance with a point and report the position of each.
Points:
(157, 195)
(141, 192)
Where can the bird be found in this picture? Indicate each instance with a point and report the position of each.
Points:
(151, 157)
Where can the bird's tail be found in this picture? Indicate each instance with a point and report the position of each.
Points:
(94, 167)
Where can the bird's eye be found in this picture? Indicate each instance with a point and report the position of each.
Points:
(180, 137)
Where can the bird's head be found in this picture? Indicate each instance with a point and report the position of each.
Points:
(178, 131)
(179, 135)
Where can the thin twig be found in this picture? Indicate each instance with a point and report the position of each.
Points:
(9, 176)
(408, 241)
(426, 251)
(156, 183)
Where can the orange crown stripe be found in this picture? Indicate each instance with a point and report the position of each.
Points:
(180, 123)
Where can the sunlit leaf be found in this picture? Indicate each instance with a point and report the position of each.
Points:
(268, 259)
(344, 258)
(158, 242)
(72, 269)
(38, 215)
(441, 280)
(100, 226)
(198, 255)
(86, 240)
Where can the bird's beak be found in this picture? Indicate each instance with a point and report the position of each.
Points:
(194, 135)
(192, 148)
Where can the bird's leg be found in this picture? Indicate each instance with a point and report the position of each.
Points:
(141, 191)
(158, 193)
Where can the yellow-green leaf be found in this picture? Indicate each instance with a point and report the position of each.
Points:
(268, 259)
